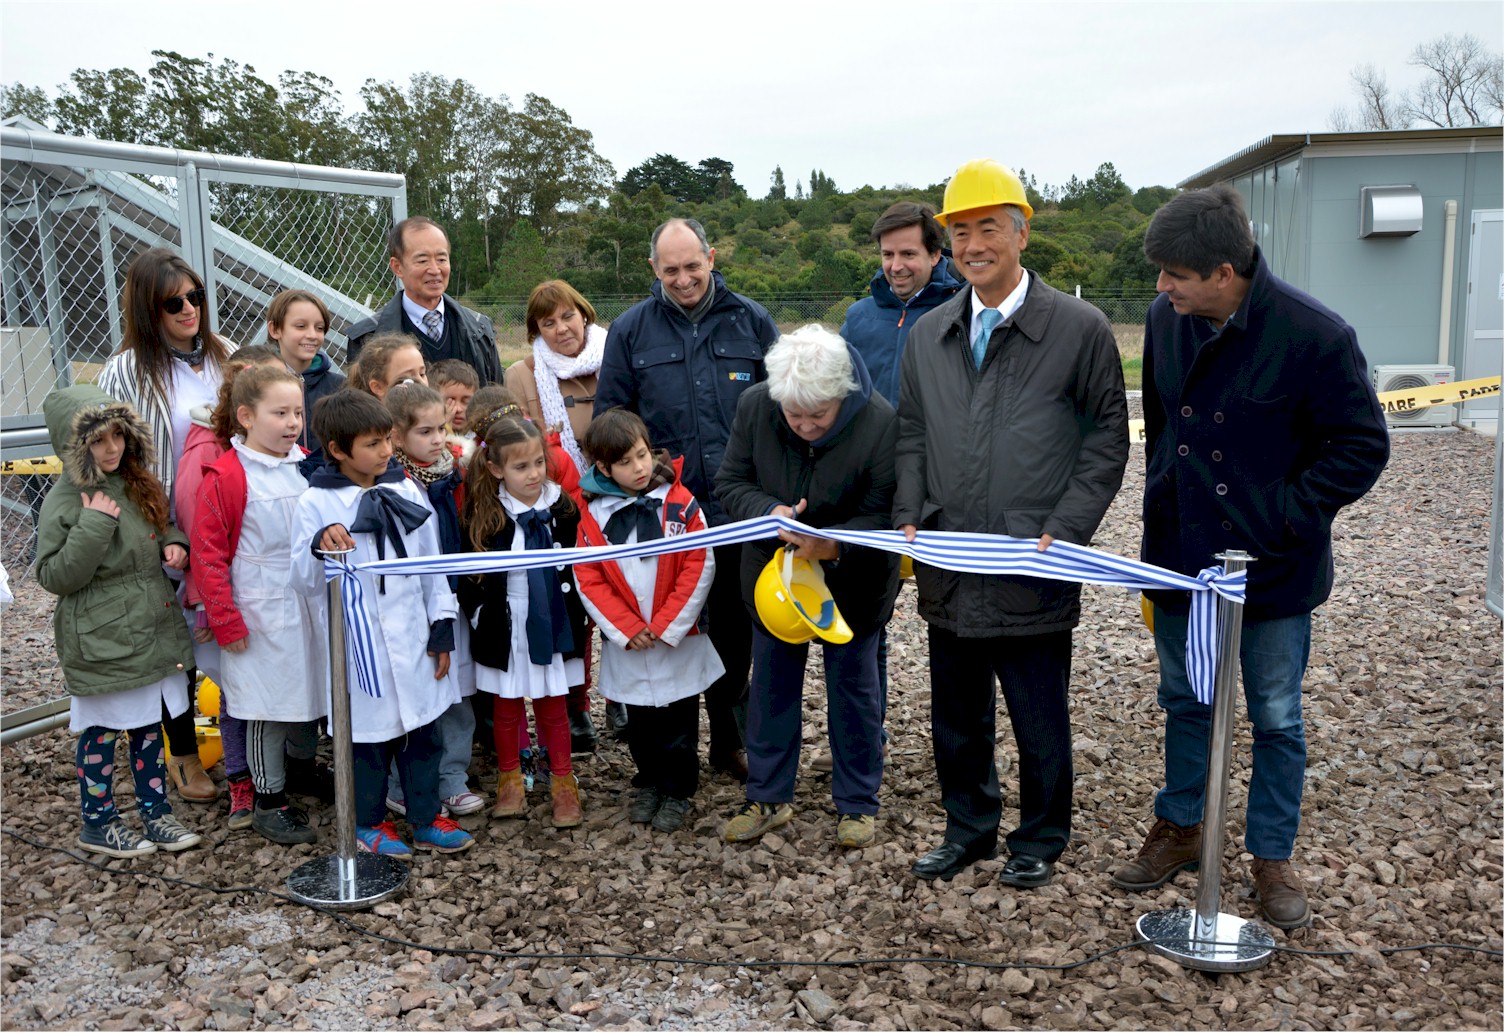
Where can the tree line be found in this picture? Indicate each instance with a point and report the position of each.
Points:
(525, 196)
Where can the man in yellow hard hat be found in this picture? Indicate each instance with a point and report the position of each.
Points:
(1012, 420)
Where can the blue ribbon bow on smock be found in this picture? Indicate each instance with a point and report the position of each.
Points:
(640, 514)
(548, 625)
(388, 516)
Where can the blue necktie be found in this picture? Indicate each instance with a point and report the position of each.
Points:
(989, 318)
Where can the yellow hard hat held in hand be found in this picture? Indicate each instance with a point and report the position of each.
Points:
(794, 603)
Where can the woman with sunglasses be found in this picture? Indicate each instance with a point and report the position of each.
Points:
(169, 362)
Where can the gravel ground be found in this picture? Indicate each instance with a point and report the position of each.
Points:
(1401, 845)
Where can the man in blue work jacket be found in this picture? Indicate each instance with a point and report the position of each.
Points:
(680, 359)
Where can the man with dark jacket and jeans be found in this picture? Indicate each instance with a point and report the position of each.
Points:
(418, 252)
(680, 359)
(1012, 421)
(1260, 424)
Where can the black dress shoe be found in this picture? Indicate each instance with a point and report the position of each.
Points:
(582, 733)
(1026, 872)
(946, 860)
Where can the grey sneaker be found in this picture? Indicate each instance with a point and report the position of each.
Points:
(115, 838)
(283, 825)
(671, 814)
(168, 833)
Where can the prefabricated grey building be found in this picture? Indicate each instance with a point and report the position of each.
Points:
(1416, 270)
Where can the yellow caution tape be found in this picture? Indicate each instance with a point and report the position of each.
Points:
(1410, 399)
(44, 465)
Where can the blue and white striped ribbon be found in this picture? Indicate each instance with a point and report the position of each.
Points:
(967, 552)
(360, 649)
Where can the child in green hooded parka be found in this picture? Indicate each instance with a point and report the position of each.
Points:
(103, 538)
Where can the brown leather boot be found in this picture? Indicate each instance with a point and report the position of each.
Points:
(568, 811)
(1166, 850)
(511, 798)
(1281, 893)
(193, 782)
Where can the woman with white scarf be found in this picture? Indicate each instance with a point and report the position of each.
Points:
(556, 385)
(556, 388)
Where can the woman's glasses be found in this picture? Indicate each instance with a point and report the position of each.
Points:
(172, 306)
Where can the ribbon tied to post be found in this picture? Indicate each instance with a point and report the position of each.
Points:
(961, 551)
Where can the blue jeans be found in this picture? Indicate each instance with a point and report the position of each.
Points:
(1273, 656)
(774, 717)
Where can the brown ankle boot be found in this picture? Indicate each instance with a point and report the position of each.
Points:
(193, 782)
(511, 798)
(1281, 893)
(568, 811)
(1166, 850)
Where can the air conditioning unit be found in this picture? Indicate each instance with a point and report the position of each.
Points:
(1411, 377)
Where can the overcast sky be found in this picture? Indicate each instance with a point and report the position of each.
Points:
(874, 92)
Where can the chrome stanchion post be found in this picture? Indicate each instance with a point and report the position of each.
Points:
(348, 880)
(1204, 938)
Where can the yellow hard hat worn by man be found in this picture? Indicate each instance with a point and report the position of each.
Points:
(983, 183)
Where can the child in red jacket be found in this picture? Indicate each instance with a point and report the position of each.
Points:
(653, 658)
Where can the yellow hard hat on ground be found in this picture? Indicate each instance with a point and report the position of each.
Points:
(794, 603)
(208, 697)
(983, 183)
(211, 746)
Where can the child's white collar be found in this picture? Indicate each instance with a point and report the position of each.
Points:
(546, 499)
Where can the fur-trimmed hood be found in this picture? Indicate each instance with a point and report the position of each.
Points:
(77, 415)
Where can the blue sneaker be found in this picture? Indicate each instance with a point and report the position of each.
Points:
(444, 836)
(382, 839)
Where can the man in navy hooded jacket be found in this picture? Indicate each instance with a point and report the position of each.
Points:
(913, 279)
(1260, 424)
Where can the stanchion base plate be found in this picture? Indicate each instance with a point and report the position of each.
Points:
(1239, 945)
(376, 878)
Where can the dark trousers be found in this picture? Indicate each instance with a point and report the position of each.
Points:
(1033, 670)
(663, 744)
(182, 737)
(417, 756)
(774, 717)
(731, 634)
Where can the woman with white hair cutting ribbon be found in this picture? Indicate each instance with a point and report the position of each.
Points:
(816, 443)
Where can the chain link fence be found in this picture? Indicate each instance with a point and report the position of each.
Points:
(76, 213)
